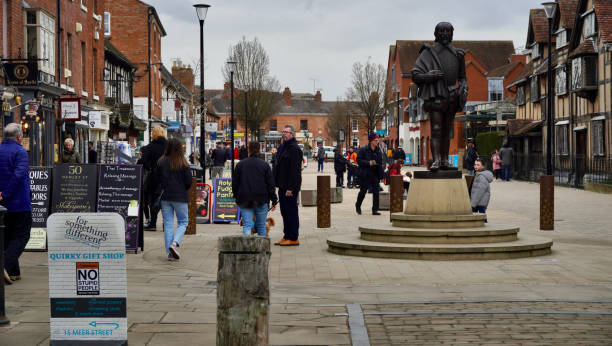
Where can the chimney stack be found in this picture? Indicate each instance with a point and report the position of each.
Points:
(183, 74)
(318, 96)
(287, 96)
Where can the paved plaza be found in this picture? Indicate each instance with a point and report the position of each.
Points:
(318, 298)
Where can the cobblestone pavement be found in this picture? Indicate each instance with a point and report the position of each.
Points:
(175, 302)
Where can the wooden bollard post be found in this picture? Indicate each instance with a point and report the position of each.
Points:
(323, 201)
(243, 290)
(396, 195)
(547, 202)
(192, 208)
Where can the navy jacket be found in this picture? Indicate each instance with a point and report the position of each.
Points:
(14, 177)
(370, 174)
(174, 183)
(288, 170)
(253, 182)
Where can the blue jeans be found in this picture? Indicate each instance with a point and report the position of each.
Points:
(480, 209)
(260, 214)
(320, 166)
(169, 208)
(506, 172)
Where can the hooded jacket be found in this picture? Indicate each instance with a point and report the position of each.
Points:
(14, 177)
(481, 189)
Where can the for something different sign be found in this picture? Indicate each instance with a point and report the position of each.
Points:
(87, 278)
(224, 204)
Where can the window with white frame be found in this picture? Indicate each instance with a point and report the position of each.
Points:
(599, 143)
(355, 125)
(496, 89)
(562, 139)
(589, 24)
(561, 80)
(355, 141)
(107, 23)
(40, 39)
(561, 38)
(535, 51)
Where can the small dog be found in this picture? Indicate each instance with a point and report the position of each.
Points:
(269, 224)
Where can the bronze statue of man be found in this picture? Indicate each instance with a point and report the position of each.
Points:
(439, 72)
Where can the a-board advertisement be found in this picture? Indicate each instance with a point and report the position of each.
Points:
(119, 192)
(40, 189)
(87, 279)
(224, 205)
(74, 188)
(203, 203)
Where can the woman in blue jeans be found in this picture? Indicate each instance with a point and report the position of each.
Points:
(253, 188)
(175, 179)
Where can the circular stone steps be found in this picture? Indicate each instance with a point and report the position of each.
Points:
(525, 246)
(486, 234)
(437, 221)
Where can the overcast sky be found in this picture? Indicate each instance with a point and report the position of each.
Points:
(321, 39)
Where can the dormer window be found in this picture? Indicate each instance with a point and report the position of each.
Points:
(561, 38)
(535, 51)
(589, 24)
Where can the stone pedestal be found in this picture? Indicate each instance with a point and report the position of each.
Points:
(438, 194)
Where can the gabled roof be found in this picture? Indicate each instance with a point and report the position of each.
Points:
(523, 76)
(537, 31)
(491, 54)
(566, 14)
(504, 70)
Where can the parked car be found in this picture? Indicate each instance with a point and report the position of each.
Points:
(329, 152)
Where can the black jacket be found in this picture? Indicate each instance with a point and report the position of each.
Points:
(370, 174)
(288, 170)
(339, 162)
(219, 156)
(174, 183)
(253, 182)
(399, 154)
(470, 158)
(243, 153)
(92, 156)
(150, 155)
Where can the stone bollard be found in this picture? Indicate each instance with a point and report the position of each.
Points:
(192, 208)
(547, 203)
(323, 201)
(3, 318)
(396, 195)
(243, 290)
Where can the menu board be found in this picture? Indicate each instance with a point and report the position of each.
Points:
(87, 279)
(74, 188)
(119, 192)
(40, 188)
(224, 204)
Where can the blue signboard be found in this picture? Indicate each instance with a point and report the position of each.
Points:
(381, 132)
(453, 160)
(408, 160)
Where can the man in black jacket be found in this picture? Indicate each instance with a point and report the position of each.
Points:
(243, 153)
(150, 155)
(219, 156)
(288, 176)
(399, 154)
(339, 166)
(369, 159)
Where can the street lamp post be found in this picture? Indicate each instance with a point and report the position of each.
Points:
(547, 182)
(201, 10)
(232, 69)
(246, 117)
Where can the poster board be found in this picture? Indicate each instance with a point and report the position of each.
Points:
(203, 203)
(74, 188)
(224, 205)
(87, 279)
(119, 192)
(40, 188)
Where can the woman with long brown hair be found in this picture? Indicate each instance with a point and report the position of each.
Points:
(175, 179)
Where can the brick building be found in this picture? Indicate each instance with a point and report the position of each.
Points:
(135, 29)
(480, 58)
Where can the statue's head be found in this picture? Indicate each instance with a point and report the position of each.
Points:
(444, 33)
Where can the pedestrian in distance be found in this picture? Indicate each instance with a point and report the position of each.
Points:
(351, 176)
(506, 154)
(320, 158)
(288, 178)
(68, 154)
(496, 164)
(243, 153)
(92, 154)
(15, 197)
(370, 172)
(470, 157)
(150, 157)
(399, 154)
(481, 188)
(340, 163)
(253, 187)
(175, 179)
(219, 157)
(209, 163)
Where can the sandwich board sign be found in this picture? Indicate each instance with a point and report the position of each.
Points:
(87, 279)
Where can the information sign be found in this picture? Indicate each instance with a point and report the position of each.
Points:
(224, 205)
(40, 189)
(74, 188)
(87, 279)
(70, 109)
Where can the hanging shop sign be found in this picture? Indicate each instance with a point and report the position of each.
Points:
(70, 109)
(21, 74)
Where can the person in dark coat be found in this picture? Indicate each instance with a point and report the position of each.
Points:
(470, 158)
(371, 168)
(243, 153)
(150, 157)
(69, 155)
(399, 154)
(254, 189)
(92, 154)
(175, 180)
(320, 158)
(219, 157)
(15, 197)
(506, 154)
(288, 177)
(340, 163)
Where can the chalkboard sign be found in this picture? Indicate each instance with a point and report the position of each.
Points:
(119, 192)
(40, 188)
(74, 188)
(224, 204)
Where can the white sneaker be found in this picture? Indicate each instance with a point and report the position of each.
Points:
(174, 251)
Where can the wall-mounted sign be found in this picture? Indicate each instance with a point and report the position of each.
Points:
(21, 74)
(70, 109)
(95, 120)
(211, 127)
(87, 279)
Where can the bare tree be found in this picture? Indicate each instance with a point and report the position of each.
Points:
(338, 120)
(368, 92)
(252, 74)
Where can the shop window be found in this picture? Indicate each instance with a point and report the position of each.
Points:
(562, 139)
(561, 81)
(40, 39)
(599, 143)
